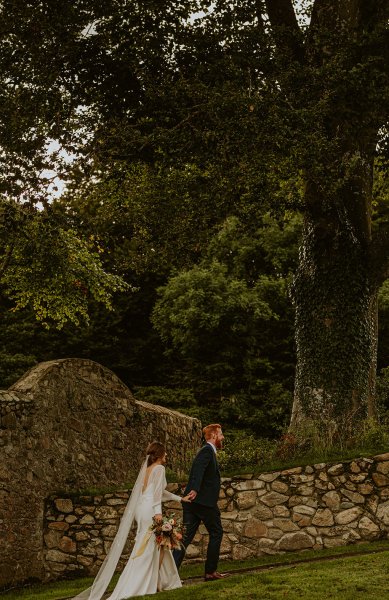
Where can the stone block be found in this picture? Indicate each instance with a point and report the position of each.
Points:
(279, 486)
(358, 478)
(302, 509)
(251, 484)
(281, 511)
(354, 467)
(269, 477)
(58, 557)
(192, 551)
(66, 544)
(266, 545)
(298, 540)
(302, 478)
(301, 520)
(368, 528)
(254, 528)
(331, 500)
(382, 457)
(52, 538)
(383, 513)
(246, 499)
(87, 520)
(365, 488)
(305, 490)
(105, 512)
(240, 552)
(64, 505)
(85, 561)
(333, 542)
(274, 498)
(293, 471)
(380, 479)
(59, 525)
(225, 545)
(323, 518)
(286, 525)
(274, 534)
(93, 548)
(230, 516)
(336, 469)
(263, 512)
(354, 497)
(71, 519)
(347, 516)
(109, 531)
(383, 467)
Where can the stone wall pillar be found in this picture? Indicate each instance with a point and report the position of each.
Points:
(71, 425)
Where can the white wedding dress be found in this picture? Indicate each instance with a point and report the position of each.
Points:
(143, 573)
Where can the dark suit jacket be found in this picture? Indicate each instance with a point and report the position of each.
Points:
(204, 477)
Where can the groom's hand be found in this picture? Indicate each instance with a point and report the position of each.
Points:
(192, 495)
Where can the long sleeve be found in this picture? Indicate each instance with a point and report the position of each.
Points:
(159, 486)
(160, 494)
(169, 497)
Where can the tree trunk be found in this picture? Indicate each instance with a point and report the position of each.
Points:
(335, 298)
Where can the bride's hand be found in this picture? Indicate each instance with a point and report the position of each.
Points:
(186, 498)
(158, 518)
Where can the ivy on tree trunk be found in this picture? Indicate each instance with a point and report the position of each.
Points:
(341, 264)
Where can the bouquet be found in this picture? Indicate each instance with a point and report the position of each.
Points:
(168, 532)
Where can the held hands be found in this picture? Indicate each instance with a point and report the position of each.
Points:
(189, 497)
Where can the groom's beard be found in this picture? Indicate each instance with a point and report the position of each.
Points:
(219, 445)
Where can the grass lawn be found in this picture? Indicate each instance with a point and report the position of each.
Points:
(346, 578)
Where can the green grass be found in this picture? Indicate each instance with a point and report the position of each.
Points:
(332, 455)
(269, 584)
(364, 577)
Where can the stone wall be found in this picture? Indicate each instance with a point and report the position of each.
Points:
(71, 425)
(313, 507)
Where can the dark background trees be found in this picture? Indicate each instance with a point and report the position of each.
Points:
(196, 142)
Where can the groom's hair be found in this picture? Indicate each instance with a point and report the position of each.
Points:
(209, 430)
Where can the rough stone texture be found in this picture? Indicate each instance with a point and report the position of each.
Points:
(298, 540)
(263, 515)
(72, 424)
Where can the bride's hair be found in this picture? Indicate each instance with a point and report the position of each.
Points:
(154, 451)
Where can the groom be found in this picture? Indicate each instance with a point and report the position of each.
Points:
(203, 493)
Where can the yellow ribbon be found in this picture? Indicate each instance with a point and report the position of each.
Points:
(143, 545)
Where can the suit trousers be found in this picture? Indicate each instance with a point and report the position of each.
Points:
(194, 514)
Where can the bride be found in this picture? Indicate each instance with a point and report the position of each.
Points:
(149, 568)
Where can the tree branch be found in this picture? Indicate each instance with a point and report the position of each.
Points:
(287, 33)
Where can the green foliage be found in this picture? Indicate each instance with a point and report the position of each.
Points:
(13, 366)
(228, 321)
(176, 125)
(175, 398)
(242, 450)
(383, 395)
(199, 305)
(52, 270)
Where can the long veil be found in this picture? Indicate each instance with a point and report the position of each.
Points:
(107, 569)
